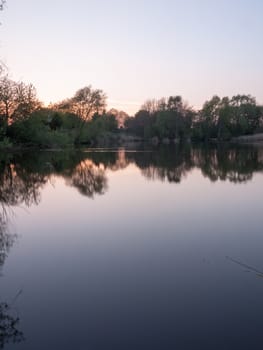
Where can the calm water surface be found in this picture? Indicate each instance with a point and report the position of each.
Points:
(137, 249)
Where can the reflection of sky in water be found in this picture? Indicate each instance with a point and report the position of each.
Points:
(141, 267)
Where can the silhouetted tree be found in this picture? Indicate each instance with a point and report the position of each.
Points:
(26, 101)
(85, 103)
(164, 118)
(17, 102)
(7, 100)
(224, 118)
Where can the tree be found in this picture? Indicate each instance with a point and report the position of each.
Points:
(17, 102)
(208, 118)
(175, 104)
(152, 106)
(224, 118)
(164, 118)
(26, 101)
(139, 123)
(85, 103)
(246, 116)
(7, 100)
(174, 119)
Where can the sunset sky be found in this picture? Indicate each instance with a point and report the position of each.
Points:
(135, 49)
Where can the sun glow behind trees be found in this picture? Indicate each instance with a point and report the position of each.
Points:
(82, 119)
(184, 48)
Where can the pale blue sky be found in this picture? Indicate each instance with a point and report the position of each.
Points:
(135, 50)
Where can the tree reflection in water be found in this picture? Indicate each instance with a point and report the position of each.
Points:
(6, 239)
(236, 164)
(9, 323)
(9, 331)
(88, 178)
(172, 164)
(22, 177)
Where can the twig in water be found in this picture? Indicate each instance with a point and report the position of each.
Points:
(16, 296)
(250, 268)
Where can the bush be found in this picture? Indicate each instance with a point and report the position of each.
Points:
(36, 132)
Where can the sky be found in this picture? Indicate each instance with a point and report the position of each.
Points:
(135, 49)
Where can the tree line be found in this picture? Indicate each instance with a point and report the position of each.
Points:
(82, 119)
(24, 120)
(220, 119)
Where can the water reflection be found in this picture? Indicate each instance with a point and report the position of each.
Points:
(22, 180)
(171, 164)
(88, 178)
(236, 164)
(6, 239)
(9, 326)
(23, 176)
(9, 321)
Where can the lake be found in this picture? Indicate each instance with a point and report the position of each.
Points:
(132, 249)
